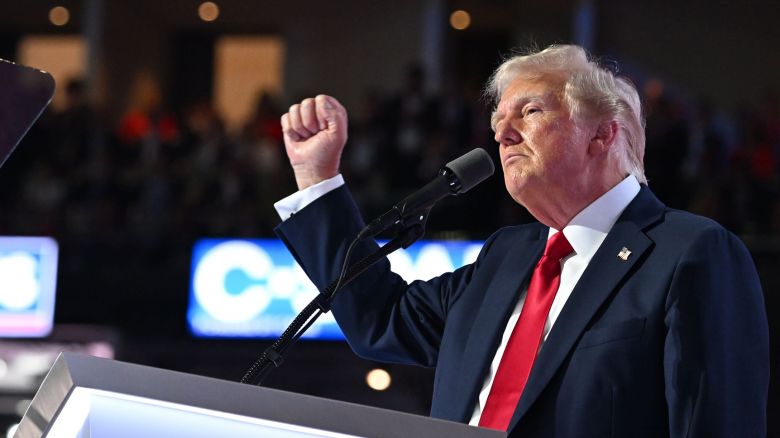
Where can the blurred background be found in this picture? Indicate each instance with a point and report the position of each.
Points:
(164, 130)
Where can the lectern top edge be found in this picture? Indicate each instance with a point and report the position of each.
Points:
(205, 394)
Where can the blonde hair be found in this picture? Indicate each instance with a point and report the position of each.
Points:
(590, 90)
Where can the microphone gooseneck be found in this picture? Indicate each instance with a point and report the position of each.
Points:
(458, 176)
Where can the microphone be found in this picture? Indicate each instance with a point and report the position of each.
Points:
(458, 176)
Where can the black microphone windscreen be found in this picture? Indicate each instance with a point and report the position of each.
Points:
(472, 168)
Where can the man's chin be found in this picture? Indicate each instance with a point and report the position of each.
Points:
(518, 192)
(517, 185)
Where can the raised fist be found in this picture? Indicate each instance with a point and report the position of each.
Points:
(315, 132)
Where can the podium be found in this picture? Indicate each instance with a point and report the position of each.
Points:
(88, 397)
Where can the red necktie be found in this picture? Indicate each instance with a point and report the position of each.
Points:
(526, 337)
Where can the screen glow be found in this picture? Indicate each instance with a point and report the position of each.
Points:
(254, 288)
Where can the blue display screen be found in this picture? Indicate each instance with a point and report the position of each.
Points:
(254, 288)
(28, 267)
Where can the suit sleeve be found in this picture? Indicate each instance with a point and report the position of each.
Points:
(382, 317)
(716, 353)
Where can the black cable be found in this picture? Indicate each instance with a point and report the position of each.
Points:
(310, 313)
(344, 266)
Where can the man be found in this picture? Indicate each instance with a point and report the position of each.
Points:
(612, 316)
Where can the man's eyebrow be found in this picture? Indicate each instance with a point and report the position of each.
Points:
(521, 100)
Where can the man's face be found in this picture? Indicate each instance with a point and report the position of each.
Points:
(543, 150)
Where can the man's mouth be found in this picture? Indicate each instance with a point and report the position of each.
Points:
(514, 155)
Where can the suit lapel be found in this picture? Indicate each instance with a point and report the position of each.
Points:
(602, 276)
(499, 300)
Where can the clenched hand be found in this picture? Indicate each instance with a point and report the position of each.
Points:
(315, 132)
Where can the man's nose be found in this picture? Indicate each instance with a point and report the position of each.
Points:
(506, 134)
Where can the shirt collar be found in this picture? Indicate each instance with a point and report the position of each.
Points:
(589, 227)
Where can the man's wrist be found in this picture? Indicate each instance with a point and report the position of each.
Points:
(300, 199)
(306, 177)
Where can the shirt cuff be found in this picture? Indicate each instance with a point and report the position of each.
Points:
(300, 199)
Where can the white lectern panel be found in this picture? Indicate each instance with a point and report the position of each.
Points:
(95, 413)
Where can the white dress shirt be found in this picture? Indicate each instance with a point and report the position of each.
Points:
(586, 231)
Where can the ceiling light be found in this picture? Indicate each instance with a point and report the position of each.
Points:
(460, 20)
(208, 11)
(59, 16)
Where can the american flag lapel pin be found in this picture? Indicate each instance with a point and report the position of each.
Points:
(624, 253)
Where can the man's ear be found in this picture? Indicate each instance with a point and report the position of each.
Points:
(605, 137)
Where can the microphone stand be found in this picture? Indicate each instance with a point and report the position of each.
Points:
(412, 229)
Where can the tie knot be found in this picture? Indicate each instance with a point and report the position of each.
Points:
(558, 247)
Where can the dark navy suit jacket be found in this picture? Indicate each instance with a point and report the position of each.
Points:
(671, 342)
